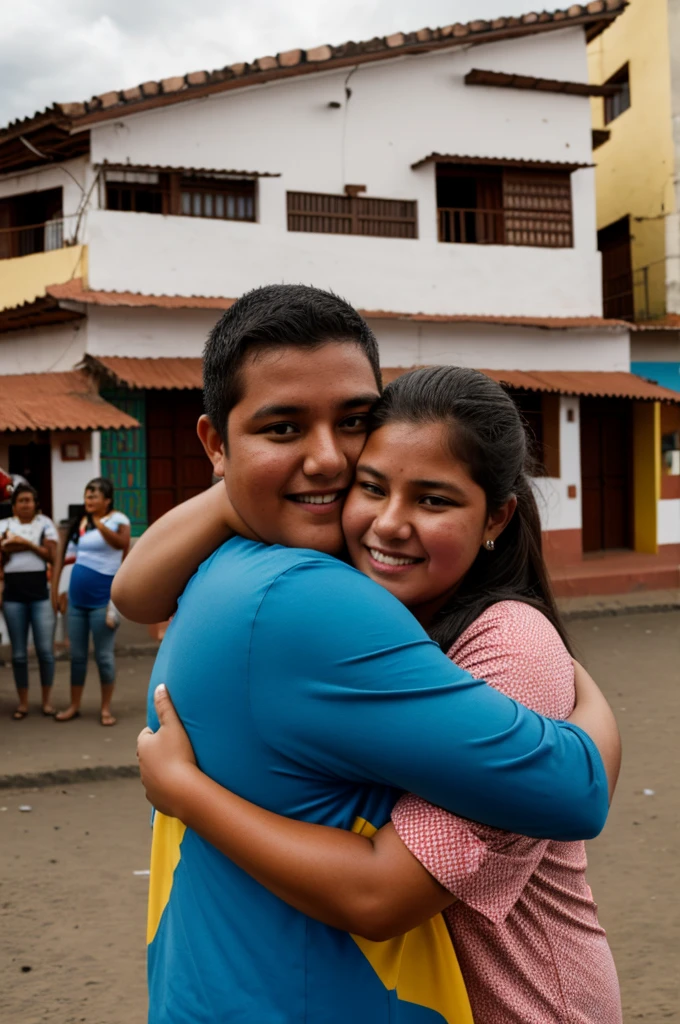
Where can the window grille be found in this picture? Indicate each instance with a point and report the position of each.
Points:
(323, 213)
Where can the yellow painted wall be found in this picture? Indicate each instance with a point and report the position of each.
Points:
(25, 278)
(646, 475)
(635, 168)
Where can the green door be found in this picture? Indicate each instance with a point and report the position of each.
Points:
(123, 458)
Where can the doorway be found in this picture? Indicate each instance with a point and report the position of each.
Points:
(606, 473)
(33, 461)
(617, 270)
(177, 466)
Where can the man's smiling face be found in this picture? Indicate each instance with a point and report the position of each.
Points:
(294, 439)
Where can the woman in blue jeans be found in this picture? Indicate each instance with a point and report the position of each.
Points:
(102, 537)
(28, 542)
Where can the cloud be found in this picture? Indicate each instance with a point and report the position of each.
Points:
(67, 51)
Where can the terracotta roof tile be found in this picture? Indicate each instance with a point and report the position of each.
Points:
(173, 84)
(290, 58)
(57, 401)
(585, 384)
(594, 17)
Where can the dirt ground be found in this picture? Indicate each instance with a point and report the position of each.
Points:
(72, 898)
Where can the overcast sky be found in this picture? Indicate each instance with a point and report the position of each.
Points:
(68, 50)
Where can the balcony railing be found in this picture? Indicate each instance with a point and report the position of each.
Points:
(27, 239)
(547, 228)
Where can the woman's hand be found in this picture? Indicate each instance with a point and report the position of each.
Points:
(593, 714)
(166, 758)
(13, 542)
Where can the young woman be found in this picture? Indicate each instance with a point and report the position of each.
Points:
(443, 515)
(28, 543)
(102, 537)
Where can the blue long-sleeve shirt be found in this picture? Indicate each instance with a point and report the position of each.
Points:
(310, 690)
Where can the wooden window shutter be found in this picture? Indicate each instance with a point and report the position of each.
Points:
(538, 209)
(322, 213)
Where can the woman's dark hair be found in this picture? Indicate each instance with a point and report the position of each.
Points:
(98, 483)
(22, 488)
(487, 434)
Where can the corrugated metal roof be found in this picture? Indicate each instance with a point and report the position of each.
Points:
(497, 161)
(191, 172)
(166, 372)
(73, 291)
(588, 383)
(669, 322)
(593, 17)
(57, 401)
(554, 323)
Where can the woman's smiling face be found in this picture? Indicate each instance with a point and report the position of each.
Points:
(415, 519)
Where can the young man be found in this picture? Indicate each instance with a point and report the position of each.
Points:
(299, 682)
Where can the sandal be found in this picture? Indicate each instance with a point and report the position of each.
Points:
(76, 714)
(19, 714)
(106, 719)
(48, 712)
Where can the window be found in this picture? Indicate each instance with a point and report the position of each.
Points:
(504, 206)
(616, 104)
(31, 223)
(352, 215)
(136, 191)
(180, 193)
(223, 200)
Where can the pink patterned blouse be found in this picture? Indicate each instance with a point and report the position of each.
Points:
(524, 923)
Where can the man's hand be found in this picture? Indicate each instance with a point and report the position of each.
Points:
(166, 758)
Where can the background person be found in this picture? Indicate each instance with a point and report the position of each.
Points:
(28, 543)
(102, 537)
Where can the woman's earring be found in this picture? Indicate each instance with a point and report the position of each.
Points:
(489, 545)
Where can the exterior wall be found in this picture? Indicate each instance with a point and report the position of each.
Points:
(635, 168)
(669, 521)
(665, 374)
(43, 349)
(69, 478)
(288, 128)
(497, 347)
(141, 252)
(25, 278)
(560, 513)
(147, 333)
(673, 218)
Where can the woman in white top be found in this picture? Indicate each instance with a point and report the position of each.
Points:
(28, 542)
(102, 537)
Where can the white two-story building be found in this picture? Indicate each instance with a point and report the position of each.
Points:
(440, 180)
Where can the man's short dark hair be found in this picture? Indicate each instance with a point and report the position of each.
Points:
(273, 317)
